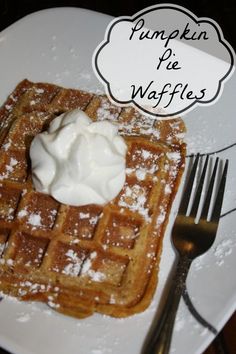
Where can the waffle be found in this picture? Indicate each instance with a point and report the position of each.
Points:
(91, 258)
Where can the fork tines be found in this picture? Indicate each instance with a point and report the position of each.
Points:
(192, 202)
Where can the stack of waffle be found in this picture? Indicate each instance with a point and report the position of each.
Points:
(91, 258)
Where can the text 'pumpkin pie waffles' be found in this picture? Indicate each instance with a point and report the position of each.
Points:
(90, 258)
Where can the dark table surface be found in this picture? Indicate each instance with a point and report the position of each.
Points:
(224, 13)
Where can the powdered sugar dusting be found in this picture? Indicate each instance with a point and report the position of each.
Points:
(24, 317)
(88, 271)
(223, 249)
(174, 155)
(84, 215)
(35, 219)
(9, 169)
(22, 213)
(135, 198)
(105, 111)
(161, 216)
(72, 268)
(7, 145)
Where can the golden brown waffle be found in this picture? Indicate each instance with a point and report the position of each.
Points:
(92, 258)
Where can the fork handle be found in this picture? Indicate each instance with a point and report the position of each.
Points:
(159, 339)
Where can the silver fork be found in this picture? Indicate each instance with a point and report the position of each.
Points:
(191, 238)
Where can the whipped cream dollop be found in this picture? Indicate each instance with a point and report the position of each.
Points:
(78, 161)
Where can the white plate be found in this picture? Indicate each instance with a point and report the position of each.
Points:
(56, 45)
